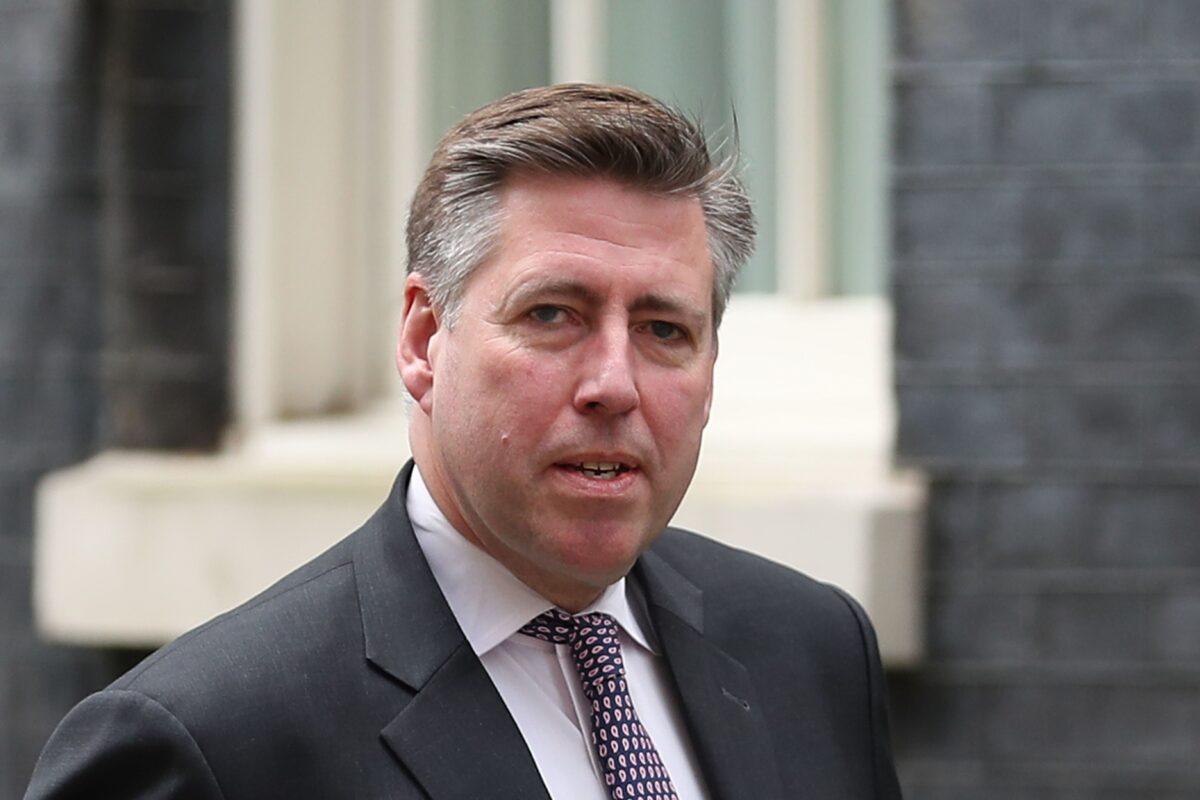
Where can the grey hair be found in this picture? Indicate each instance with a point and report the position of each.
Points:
(583, 130)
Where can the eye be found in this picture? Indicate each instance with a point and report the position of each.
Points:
(665, 331)
(548, 315)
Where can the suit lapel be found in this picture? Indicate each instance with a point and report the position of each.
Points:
(455, 736)
(719, 702)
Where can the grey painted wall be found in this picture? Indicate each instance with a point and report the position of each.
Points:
(1046, 277)
(113, 288)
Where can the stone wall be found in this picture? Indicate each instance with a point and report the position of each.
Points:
(1046, 278)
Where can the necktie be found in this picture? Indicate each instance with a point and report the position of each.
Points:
(631, 766)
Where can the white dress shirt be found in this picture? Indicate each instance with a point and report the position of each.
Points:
(537, 680)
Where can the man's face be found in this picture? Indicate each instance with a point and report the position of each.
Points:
(567, 402)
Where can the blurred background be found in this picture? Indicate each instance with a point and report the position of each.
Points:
(960, 377)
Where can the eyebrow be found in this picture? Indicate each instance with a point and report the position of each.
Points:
(664, 303)
(568, 287)
(558, 287)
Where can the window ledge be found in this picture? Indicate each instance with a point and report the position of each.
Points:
(135, 548)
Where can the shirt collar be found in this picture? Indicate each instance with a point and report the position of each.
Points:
(489, 602)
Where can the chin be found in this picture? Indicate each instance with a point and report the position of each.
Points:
(603, 551)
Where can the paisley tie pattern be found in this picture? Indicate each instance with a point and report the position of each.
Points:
(631, 766)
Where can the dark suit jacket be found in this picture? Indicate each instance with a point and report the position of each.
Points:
(351, 679)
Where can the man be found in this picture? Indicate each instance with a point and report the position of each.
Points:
(514, 622)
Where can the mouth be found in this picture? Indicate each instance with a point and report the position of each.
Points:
(600, 476)
(600, 470)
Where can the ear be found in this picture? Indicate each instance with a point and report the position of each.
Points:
(418, 326)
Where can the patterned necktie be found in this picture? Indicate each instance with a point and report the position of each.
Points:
(631, 766)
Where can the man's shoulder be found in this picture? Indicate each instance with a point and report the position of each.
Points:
(740, 586)
(299, 619)
(808, 648)
(718, 567)
(308, 623)
(238, 697)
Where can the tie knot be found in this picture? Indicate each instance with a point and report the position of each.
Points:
(594, 641)
(559, 627)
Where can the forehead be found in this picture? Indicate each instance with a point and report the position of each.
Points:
(601, 206)
(600, 230)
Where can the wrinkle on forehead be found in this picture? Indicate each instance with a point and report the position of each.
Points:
(586, 239)
(624, 221)
(553, 195)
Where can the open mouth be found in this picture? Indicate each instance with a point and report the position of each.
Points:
(603, 470)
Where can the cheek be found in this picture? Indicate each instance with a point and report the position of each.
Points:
(519, 391)
(675, 410)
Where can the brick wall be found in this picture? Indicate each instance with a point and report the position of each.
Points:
(165, 250)
(113, 288)
(1046, 276)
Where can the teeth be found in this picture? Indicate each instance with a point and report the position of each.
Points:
(605, 470)
(599, 466)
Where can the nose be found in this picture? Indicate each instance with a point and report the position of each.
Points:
(607, 384)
